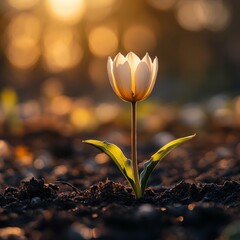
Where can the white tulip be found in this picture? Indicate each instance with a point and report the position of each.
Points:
(131, 78)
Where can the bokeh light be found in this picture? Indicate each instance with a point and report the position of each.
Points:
(162, 4)
(97, 10)
(200, 14)
(103, 41)
(107, 112)
(21, 56)
(61, 105)
(216, 15)
(23, 53)
(22, 4)
(8, 99)
(22, 36)
(61, 49)
(189, 15)
(24, 24)
(52, 46)
(68, 11)
(82, 118)
(139, 39)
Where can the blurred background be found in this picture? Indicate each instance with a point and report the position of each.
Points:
(53, 56)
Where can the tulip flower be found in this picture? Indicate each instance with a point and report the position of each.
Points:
(133, 79)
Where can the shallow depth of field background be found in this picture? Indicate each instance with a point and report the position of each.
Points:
(53, 57)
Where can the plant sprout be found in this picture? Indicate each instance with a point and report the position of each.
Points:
(133, 79)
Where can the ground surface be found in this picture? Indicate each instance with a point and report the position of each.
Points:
(194, 193)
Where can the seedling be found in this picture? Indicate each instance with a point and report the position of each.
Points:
(132, 80)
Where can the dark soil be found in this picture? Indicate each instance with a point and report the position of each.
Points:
(194, 193)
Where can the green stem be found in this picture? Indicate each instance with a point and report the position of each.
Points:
(138, 192)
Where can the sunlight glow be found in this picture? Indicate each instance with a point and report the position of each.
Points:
(23, 53)
(215, 15)
(23, 155)
(107, 112)
(24, 25)
(97, 10)
(61, 50)
(8, 99)
(83, 119)
(22, 4)
(101, 158)
(23, 34)
(103, 41)
(139, 39)
(69, 11)
(11, 232)
(61, 105)
(189, 15)
(200, 14)
(162, 4)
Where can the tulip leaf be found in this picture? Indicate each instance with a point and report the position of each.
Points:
(116, 154)
(157, 157)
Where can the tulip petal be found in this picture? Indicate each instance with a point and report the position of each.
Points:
(122, 74)
(142, 80)
(111, 77)
(133, 60)
(148, 61)
(154, 70)
(153, 77)
(109, 70)
(119, 59)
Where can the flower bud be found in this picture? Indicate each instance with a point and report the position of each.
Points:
(132, 79)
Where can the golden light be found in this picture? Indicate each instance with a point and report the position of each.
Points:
(98, 72)
(162, 4)
(196, 15)
(139, 39)
(100, 9)
(189, 15)
(23, 34)
(61, 50)
(23, 155)
(9, 100)
(107, 112)
(69, 11)
(22, 4)
(215, 15)
(23, 52)
(101, 158)
(153, 123)
(11, 232)
(24, 24)
(61, 105)
(60, 170)
(103, 41)
(83, 119)
(5, 150)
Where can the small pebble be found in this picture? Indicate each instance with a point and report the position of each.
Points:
(145, 210)
(35, 201)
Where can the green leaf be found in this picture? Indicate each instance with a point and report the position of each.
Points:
(159, 155)
(116, 154)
